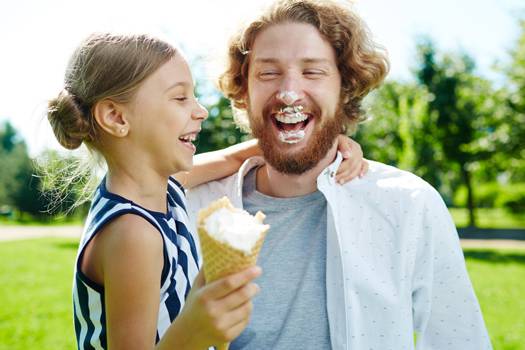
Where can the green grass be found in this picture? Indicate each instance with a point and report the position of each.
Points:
(35, 293)
(489, 218)
(36, 278)
(498, 277)
(50, 221)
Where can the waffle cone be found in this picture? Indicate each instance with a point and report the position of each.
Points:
(221, 259)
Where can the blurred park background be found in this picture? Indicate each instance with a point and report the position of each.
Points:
(453, 117)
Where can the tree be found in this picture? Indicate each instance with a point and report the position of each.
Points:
(19, 187)
(510, 137)
(464, 110)
(219, 130)
(401, 130)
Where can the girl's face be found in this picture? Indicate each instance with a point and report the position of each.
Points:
(165, 117)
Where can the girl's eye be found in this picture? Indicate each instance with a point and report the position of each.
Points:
(181, 98)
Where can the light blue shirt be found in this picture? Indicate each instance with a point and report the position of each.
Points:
(290, 310)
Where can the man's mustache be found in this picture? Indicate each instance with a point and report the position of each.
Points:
(274, 107)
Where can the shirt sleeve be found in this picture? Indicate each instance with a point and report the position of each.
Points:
(446, 313)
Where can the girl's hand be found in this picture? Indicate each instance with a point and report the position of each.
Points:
(353, 162)
(218, 312)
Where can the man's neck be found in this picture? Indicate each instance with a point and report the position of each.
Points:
(276, 184)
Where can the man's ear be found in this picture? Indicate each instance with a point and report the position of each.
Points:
(111, 118)
(242, 103)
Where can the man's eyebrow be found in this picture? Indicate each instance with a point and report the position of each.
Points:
(266, 60)
(316, 60)
(177, 84)
(303, 60)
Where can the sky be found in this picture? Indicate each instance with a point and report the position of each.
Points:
(37, 38)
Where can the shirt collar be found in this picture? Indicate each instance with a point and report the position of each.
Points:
(327, 176)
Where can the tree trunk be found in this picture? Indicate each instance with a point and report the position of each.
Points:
(470, 195)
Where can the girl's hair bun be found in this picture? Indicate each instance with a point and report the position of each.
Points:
(69, 120)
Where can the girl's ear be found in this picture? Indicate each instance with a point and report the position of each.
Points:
(111, 118)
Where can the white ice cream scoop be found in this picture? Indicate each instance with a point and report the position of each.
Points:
(235, 227)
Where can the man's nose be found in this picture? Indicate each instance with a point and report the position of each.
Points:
(289, 91)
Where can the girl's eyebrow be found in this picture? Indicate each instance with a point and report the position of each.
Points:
(177, 84)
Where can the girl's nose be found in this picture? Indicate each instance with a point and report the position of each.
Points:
(200, 112)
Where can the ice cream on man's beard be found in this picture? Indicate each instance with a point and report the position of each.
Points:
(230, 240)
(290, 119)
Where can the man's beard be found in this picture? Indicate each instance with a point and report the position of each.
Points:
(295, 163)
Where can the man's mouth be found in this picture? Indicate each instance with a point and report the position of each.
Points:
(291, 123)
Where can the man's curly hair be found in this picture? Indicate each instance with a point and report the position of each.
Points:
(362, 64)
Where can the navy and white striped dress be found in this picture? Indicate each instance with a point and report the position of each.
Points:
(181, 262)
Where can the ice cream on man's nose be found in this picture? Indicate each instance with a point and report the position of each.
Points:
(288, 97)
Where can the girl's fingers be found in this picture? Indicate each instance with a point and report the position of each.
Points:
(239, 297)
(347, 174)
(348, 165)
(346, 146)
(356, 148)
(239, 315)
(224, 286)
(237, 322)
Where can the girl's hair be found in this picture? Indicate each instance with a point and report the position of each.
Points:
(104, 66)
(361, 63)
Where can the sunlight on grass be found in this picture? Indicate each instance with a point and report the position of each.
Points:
(36, 282)
(36, 294)
(498, 277)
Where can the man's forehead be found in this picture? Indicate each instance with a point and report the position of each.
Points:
(277, 60)
(291, 42)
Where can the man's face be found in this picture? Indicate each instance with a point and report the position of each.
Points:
(293, 96)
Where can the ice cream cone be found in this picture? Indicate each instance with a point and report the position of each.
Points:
(220, 259)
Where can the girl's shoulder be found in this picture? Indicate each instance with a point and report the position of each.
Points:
(176, 193)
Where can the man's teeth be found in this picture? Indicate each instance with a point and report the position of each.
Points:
(188, 138)
(290, 118)
(291, 109)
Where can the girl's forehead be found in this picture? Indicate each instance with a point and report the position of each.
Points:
(175, 71)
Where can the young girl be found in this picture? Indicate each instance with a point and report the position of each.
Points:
(130, 99)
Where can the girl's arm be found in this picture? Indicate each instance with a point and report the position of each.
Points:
(218, 164)
(353, 163)
(126, 258)
(215, 165)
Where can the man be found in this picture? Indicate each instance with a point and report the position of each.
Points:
(364, 265)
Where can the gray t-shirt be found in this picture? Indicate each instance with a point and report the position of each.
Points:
(290, 311)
